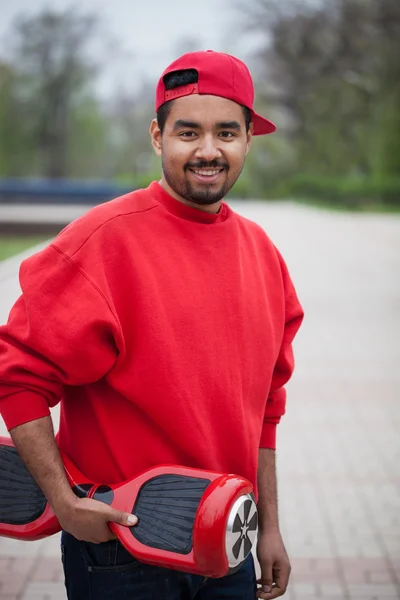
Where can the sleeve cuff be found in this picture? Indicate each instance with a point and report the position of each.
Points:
(268, 436)
(23, 407)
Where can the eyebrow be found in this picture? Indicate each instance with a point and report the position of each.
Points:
(182, 123)
(229, 125)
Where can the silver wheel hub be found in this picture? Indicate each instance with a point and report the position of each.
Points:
(241, 530)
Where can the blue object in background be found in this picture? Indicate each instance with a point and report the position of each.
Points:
(58, 191)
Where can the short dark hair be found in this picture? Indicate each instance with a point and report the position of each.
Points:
(185, 77)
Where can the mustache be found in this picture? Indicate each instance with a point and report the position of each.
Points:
(214, 164)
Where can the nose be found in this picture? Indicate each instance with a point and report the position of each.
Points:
(208, 148)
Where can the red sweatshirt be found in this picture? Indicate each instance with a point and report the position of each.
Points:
(165, 332)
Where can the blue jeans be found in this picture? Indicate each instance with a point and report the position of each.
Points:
(108, 572)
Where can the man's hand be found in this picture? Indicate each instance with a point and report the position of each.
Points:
(87, 520)
(274, 563)
(84, 518)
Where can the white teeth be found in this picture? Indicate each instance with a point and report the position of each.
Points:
(206, 173)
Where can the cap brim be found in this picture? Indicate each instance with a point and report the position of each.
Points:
(261, 125)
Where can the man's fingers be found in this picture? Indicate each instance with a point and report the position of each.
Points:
(110, 535)
(122, 518)
(104, 536)
(274, 587)
(281, 577)
(275, 592)
(265, 589)
(125, 519)
(266, 578)
(266, 584)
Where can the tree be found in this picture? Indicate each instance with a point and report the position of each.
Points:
(333, 75)
(15, 135)
(54, 69)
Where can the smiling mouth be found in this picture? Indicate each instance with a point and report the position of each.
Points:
(206, 175)
(206, 172)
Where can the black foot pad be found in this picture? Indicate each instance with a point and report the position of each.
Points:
(21, 499)
(166, 507)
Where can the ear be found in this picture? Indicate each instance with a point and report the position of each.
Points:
(249, 137)
(155, 135)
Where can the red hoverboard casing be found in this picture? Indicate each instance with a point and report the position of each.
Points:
(188, 519)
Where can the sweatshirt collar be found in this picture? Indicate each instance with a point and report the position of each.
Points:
(179, 209)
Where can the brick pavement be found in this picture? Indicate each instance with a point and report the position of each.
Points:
(338, 445)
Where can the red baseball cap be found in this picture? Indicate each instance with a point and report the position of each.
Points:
(219, 74)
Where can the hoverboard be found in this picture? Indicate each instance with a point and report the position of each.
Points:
(190, 520)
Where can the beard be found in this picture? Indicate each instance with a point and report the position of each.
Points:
(204, 195)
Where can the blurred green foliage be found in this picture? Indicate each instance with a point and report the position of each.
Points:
(351, 192)
(327, 72)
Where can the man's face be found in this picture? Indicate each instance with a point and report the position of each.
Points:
(203, 147)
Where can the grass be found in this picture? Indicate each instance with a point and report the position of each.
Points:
(367, 207)
(10, 245)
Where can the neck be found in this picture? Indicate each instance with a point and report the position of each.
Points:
(210, 208)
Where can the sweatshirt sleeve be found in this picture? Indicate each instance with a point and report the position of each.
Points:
(284, 366)
(61, 331)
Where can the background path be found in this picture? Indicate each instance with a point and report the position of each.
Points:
(339, 444)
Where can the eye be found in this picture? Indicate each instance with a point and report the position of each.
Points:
(227, 134)
(187, 134)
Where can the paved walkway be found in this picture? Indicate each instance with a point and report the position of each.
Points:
(339, 444)
(38, 218)
(41, 213)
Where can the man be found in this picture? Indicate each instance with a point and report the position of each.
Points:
(163, 322)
